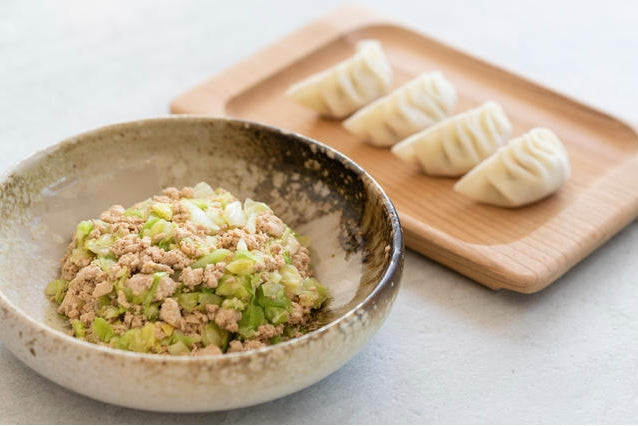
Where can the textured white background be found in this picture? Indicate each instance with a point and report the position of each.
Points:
(451, 351)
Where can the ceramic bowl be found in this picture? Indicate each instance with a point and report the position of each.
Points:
(355, 232)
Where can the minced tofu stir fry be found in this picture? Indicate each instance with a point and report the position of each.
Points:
(191, 271)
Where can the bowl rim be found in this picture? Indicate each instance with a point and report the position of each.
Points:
(395, 264)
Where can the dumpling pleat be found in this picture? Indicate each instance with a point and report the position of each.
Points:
(347, 86)
(453, 146)
(526, 170)
(466, 139)
(407, 110)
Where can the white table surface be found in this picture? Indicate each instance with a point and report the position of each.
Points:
(451, 350)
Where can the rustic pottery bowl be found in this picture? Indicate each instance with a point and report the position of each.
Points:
(356, 239)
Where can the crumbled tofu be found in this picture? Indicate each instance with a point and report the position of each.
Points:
(131, 271)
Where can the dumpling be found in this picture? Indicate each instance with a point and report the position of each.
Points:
(528, 168)
(452, 147)
(341, 90)
(416, 105)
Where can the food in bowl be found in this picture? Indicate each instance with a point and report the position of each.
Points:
(313, 188)
(190, 271)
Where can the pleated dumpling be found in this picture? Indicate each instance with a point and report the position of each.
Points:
(344, 88)
(452, 147)
(528, 168)
(416, 105)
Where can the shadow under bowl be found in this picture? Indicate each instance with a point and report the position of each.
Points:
(356, 243)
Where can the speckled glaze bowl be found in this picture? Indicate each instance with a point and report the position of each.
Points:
(356, 242)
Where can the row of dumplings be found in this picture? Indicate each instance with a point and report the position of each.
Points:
(415, 120)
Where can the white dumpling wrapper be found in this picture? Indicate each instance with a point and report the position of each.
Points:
(416, 105)
(454, 146)
(527, 169)
(347, 86)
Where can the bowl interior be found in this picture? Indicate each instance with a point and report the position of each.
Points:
(316, 191)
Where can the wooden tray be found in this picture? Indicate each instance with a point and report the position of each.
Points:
(522, 249)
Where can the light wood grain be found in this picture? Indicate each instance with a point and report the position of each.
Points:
(522, 249)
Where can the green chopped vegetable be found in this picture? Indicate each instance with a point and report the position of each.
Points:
(206, 298)
(213, 335)
(134, 212)
(136, 299)
(234, 286)
(152, 220)
(274, 277)
(198, 216)
(140, 209)
(272, 295)
(291, 279)
(157, 276)
(272, 291)
(255, 207)
(160, 231)
(251, 319)
(276, 315)
(102, 329)
(105, 263)
(83, 230)
(112, 312)
(233, 303)
(188, 341)
(212, 258)
(162, 210)
(178, 348)
(321, 292)
(245, 255)
(241, 245)
(151, 312)
(56, 290)
(78, 329)
(148, 335)
(203, 190)
(313, 294)
(234, 214)
(241, 266)
(132, 340)
(188, 301)
(224, 197)
(290, 242)
(79, 254)
(103, 301)
(216, 215)
(202, 203)
(101, 245)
